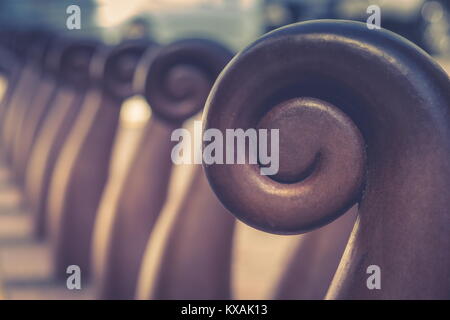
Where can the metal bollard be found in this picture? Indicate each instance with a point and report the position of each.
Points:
(363, 117)
(175, 80)
(82, 167)
(58, 104)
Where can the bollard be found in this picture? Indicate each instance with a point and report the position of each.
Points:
(57, 104)
(81, 169)
(10, 70)
(40, 101)
(314, 263)
(363, 117)
(34, 45)
(196, 262)
(175, 81)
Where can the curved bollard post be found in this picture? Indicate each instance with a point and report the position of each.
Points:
(10, 69)
(314, 263)
(196, 262)
(175, 80)
(27, 85)
(59, 102)
(363, 117)
(82, 167)
(9, 44)
(40, 101)
(14, 86)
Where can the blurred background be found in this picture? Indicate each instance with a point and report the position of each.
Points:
(235, 24)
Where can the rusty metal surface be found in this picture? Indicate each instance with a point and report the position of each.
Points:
(175, 81)
(368, 114)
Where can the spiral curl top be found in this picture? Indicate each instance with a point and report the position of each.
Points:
(120, 65)
(363, 117)
(177, 78)
(70, 60)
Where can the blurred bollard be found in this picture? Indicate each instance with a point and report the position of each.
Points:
(82, 167)
(196, 262)
(31, 47)
(311, 269)
(60, 101)
(176, 81)
(37, 109)
(10, 71)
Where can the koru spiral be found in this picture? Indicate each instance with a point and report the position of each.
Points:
(363, 118)
(178, 77)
